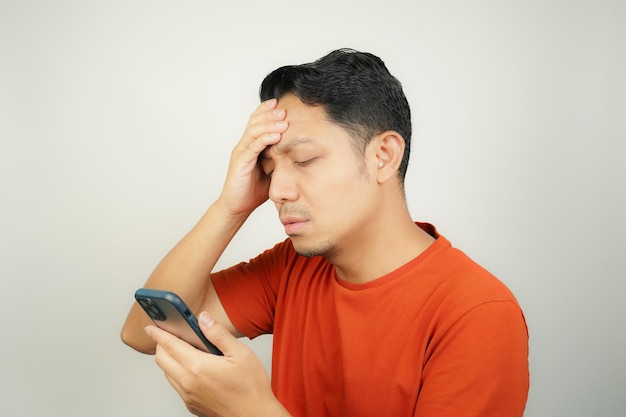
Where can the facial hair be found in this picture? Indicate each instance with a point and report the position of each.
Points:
(324, 248)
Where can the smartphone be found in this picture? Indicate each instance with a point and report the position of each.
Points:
(171, 314)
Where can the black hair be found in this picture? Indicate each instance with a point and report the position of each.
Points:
(357, 91)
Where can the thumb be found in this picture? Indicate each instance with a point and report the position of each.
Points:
(216, 333)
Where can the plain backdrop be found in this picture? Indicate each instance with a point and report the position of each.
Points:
(117, 119)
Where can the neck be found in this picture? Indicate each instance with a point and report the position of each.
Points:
(380, 247)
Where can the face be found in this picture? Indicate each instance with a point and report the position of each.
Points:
(319, 184)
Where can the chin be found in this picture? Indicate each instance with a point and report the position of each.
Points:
(324, 249)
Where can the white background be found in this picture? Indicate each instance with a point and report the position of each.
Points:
(116, 123)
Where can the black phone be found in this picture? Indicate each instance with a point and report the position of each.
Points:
(168, 312)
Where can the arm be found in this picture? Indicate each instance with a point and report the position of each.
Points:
(480, 366)
(185, 270)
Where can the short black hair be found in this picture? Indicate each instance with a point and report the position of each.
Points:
(357, 91)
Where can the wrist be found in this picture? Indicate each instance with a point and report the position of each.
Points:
(226, 212)
(274, 409)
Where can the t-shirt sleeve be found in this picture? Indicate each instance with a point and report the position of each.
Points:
(248, 290)
(479, 367)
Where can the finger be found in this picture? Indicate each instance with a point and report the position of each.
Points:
(170, 346)
(258, 138)
(264, 124)
(218, 334)
(264, 128)
(266, 119)
(175, 372)
(266, 105)
(266, 112)
(172, 369)
(269, 104)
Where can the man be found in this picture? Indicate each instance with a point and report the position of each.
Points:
(372, 313)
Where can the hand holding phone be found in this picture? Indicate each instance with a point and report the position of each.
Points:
(168, 312)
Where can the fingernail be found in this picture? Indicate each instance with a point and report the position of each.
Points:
(206, 320)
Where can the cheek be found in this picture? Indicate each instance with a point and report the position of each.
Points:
(341, 197)
(336, 188)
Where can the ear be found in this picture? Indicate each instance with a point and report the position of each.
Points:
(387, 152)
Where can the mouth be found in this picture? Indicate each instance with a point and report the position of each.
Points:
(293, 224)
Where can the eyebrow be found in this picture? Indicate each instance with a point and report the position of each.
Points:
(283, 148)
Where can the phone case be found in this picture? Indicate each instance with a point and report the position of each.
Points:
(171, 314)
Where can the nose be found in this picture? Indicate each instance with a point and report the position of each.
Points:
(282, 186)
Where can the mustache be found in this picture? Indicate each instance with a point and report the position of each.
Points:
(292, 211)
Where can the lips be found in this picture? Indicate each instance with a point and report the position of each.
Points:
(293, 224)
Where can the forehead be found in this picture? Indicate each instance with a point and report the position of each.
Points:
(308, 126)
(298, 112)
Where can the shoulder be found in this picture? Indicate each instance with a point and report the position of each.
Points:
(462, 276)
(460, 285)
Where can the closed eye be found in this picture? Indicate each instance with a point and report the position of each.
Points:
(305, 163)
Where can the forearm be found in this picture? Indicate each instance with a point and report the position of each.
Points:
(185, 270)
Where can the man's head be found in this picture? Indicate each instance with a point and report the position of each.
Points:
(355, 89)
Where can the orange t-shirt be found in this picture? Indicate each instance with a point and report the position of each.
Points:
(440, 336)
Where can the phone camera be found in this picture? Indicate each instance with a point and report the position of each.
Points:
(152, 309)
